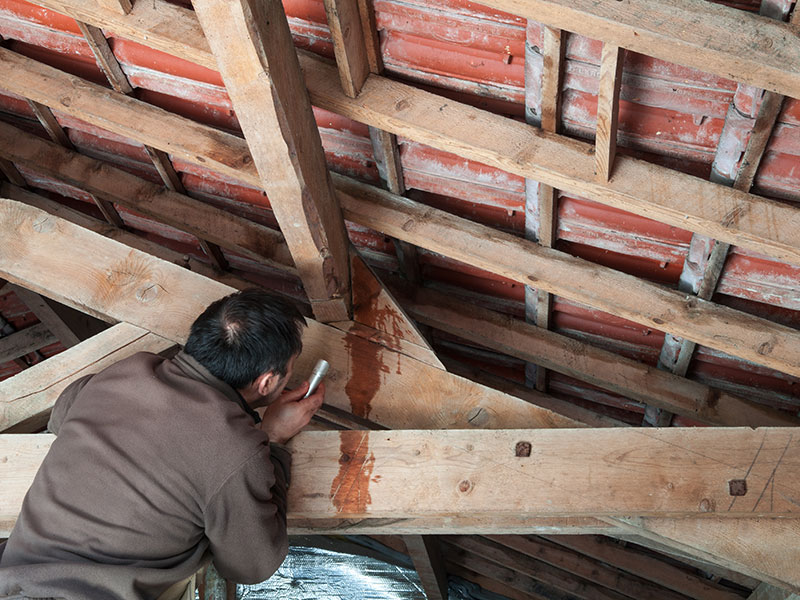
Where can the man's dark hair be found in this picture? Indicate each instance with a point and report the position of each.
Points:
(241, 336)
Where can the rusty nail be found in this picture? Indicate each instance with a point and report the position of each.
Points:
(523, 449)
(737, 487)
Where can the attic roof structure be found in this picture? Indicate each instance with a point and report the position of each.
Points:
(573, 223)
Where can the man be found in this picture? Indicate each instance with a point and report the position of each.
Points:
(161, 464)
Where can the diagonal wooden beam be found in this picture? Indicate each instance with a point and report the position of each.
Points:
(256, 57)
(45, 313)
(26, 398)
(124, 284)
(25, 341)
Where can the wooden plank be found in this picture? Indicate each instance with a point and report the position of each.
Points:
(645, 566)
(520, 260)
(275, 115)
(765, 549)
(24, 341)
(27, 398)
(119, 6)
(344, 21)
(427, 558)
(588, 569)
(124, 237)
(536, 569)
(596, 366)
(105, 57)
(165, 169)
(11, 173)
(605, 143)
(411, 473)
(387, 157)
(113, 184)
(48, 120)
(458, 524)
(124, 284)
(715, 39)
(649, 190)
(769, 592)
(372, 40)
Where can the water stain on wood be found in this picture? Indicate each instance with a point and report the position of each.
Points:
(366, 366)
(350, 488)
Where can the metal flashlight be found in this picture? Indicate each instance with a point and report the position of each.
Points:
(316, 376)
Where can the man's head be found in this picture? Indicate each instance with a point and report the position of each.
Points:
(248, 340)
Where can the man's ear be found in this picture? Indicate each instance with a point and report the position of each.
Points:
(266, 382)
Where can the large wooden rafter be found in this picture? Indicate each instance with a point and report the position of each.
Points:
(255, 54)
(639, 187)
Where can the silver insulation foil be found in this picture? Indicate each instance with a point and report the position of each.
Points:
(319, 574)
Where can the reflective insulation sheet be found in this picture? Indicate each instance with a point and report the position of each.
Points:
(319, 574)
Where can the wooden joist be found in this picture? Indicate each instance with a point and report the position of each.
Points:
(608, 110)
(26, 398)
(733, 332)
(649, 190)
(257, 60)
(652, 305)
(594, 365)
(349, 44)
(124, 284)
(113, 184)
(569, 472)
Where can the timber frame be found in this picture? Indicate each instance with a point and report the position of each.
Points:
(394, 405)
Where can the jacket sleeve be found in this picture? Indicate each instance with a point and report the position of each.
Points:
(64, 402)
(245, 520)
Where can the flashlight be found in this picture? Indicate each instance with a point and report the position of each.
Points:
(316, 376)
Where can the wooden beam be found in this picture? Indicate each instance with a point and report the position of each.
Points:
(427, 558)
(646, 566)
(105, 57)
(120, 6)
(11, 173)
(639, 187)
(48, 120)
(113, 184)
(129, 239)
(581, 281)
(27, 398)
(596, 366)
(124, 284)
(769, 592)
(25, 341)
(769, 555)
(409, 473)
(605, 143)
(45, 313)
(252, 42)
(349, 44)
(541, 201)
(586, 568)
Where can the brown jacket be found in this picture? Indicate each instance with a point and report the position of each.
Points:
(156, 464)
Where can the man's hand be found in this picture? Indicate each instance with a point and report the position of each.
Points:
(284, 418)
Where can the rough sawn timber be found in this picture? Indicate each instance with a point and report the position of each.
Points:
(649, 190)
(256, 57)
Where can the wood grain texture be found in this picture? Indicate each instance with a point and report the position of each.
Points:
(26, 398)
(256, 57)
(711, 38)
(120, 283)
(599, 367)
(349, 44)
(758, 340)
(645, 189)
(112, 184)
(605, 144)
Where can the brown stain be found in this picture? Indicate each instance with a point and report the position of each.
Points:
(368, 306)
(350, 488)
(366, 366)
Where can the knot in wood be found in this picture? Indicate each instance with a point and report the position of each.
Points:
(465, 486)
(706, 505)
